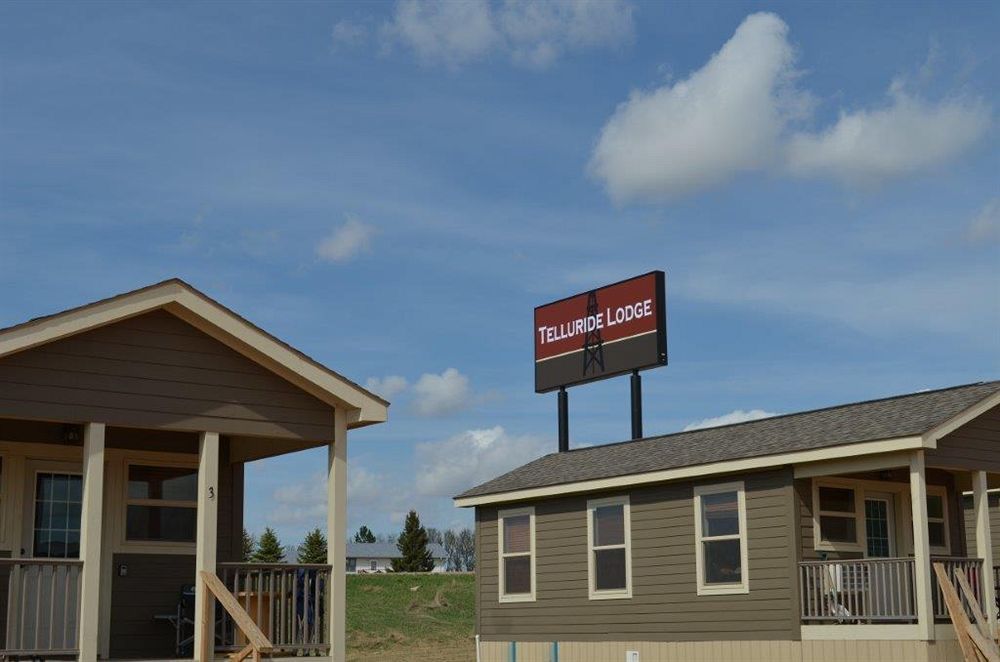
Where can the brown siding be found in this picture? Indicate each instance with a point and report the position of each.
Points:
(664, 604)
(970, 525)
(151, 588)
(975, 446)
(157, 371)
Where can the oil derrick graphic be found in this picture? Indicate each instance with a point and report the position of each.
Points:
(593, 346)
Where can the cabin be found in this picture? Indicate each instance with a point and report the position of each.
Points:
(808, 536)
(125, 426)
(376, 557)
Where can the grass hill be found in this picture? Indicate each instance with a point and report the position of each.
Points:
(401, 617)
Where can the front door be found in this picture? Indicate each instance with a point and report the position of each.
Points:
(54, 492)
(46, 589)
(880, 527)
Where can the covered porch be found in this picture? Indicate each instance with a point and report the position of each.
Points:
(873, 527)
(125, 426)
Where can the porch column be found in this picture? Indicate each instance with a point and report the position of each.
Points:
(91, 532)
(336, 529)
(984, 544)
(921, 546)
(207, 530)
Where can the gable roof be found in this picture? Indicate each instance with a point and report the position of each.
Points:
(387, 550)
(895, 418)
(212, 318)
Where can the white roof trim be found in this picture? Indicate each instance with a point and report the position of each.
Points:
(701, 470)
(214, 319)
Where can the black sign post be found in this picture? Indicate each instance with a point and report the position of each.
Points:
(636, 405)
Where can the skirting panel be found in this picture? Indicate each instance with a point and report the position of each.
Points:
(723, 651)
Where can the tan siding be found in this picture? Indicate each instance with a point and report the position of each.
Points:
(970, 525)
(729, 651)
(975, 446)
(157, 371)
(665, 604)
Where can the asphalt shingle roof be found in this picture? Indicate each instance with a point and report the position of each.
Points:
(888, 418)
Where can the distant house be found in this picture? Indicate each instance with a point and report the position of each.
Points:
(378, 556)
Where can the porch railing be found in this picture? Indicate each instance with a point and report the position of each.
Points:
(859, 591)
(43, 607)
(875, 590)
(287, 602)
(970, 567)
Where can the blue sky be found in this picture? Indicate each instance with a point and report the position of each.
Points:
(393, 187)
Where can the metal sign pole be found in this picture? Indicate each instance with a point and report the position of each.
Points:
(563, 420)
(636, 405)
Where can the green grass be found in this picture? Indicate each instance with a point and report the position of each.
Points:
(391, 612)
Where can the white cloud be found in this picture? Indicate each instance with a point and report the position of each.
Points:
(447, 393)
(387, 386)
(300, 503)
(347, 33)
(908, 134)
(346, 241)
(539, 32)
(725, 118)
(444, 31)
(986, 225)
(531, 32)
(735, 416)
(445, 468)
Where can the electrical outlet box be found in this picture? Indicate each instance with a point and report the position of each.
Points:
(631, 656)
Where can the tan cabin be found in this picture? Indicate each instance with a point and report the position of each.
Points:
(804, 537)
(125, 425)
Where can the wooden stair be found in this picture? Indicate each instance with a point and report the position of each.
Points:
(259, 643)
(974, 637)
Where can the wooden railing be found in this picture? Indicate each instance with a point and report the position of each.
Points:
(970, 568)
(859, 591)
(287, 601)
(43, 607)
(257, 642)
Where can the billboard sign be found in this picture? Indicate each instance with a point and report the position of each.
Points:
(606, 332)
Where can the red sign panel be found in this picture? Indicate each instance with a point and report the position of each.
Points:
(602, 333)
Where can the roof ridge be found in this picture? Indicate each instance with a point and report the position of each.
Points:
(788, 415)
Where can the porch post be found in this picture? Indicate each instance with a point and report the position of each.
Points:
(205, 544)
(336, 529)
(921, 546)
(984, 544)
(91, 533)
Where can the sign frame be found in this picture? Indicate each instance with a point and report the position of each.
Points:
(660, 359)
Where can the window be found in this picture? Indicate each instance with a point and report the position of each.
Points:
(610, 548)
(517, 555)
(937, 519)
(720, 535)
(58, 503)
(373, 565)
(161, 504)
(837, 510)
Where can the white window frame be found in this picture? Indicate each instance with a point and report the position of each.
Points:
(151, 546)
(941, 491)
(860, 544)
(609, 594)
(731, 588)
(503, 514)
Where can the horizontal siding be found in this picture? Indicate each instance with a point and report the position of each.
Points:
(665, 604)
(975, 446)
(151, 588)
(968, 515)
(157, 371)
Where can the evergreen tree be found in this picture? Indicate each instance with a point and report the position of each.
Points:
(412, 545)
(364, 534)
(313, 548)
(269, 549)
(249, 542)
